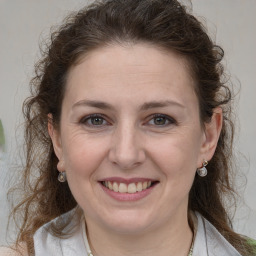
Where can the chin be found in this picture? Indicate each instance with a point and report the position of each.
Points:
(128, 222)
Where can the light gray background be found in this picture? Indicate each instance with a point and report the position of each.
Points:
(231, 22)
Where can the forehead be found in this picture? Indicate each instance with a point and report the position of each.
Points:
(124, 69)
(136, 56)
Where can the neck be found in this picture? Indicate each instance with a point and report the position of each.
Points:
(173, 238)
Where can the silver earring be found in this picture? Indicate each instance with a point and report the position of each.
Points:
(202, 172)
(62, 177)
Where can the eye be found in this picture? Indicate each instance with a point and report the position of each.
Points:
(94, 120)
(161, 120)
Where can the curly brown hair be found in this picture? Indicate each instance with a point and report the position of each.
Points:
(164, 23)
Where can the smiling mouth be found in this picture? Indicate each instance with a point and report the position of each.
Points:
(130, 188)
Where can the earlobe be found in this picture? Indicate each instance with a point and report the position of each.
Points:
(56, 141)
(212, 133)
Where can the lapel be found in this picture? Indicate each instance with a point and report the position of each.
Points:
(47, 244)
(209, 242)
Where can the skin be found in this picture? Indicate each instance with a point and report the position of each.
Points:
(129, 143)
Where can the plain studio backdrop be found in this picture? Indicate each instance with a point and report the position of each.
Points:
(23, 23)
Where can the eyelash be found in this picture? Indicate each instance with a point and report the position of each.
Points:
(85, 120)
(167, 118)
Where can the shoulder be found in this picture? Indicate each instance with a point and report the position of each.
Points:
(6, 251)
(252, 242)
(11, 251)
(64, 223)
(68, 242)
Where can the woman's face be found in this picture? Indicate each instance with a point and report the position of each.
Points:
(130, 138)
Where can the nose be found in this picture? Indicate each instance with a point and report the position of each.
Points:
(127, 150)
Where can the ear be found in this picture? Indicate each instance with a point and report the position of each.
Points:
(56, 141)
(211, 135)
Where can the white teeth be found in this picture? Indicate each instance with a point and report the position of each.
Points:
(132, 188)
(115, 187)
(144, 185)
(124, 188)
(139, 186)
(109, 185)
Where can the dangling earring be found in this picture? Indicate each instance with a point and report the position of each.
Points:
(62, 177)
(202, 172)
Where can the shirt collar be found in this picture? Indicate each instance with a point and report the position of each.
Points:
(209, 242)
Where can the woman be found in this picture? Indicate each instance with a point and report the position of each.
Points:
(129, 134)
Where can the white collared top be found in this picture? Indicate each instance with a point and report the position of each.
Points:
(208, 241)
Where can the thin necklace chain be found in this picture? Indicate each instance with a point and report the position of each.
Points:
(189, 254)
(89, 252)
(191, 250)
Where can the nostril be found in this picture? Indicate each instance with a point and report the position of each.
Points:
(126, 165)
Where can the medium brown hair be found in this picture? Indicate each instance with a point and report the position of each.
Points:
(163, 23)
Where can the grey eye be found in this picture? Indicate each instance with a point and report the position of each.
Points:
(96, 120)
(160, 120)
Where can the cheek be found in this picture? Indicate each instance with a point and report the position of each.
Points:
(177, 150)
(176, 156)
(82, 156)
(82, 160)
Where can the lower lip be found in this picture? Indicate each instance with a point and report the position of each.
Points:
(128, 196)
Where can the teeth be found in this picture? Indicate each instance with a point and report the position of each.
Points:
(132, 188)
(115, 187)
(124, 188)
(109, 185)
(139, 186)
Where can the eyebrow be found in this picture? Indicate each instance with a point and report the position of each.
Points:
(145, 106)
(92, 103)
(160, 104)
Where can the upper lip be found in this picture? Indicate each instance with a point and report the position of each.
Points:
(126, 181)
